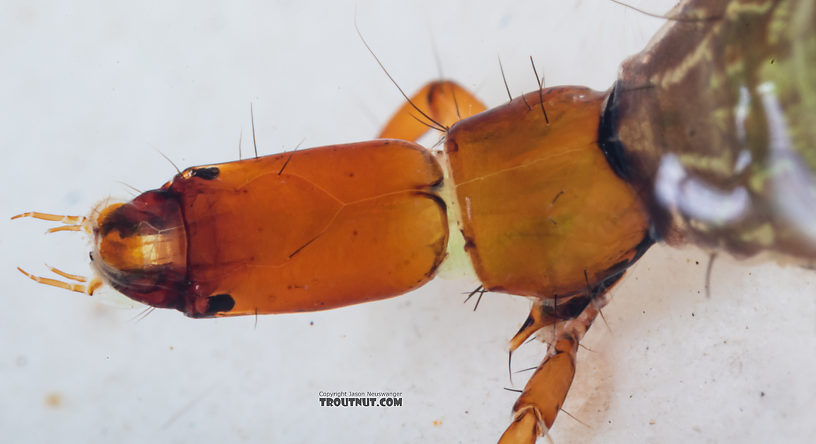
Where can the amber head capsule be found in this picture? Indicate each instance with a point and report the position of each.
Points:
(303, 231)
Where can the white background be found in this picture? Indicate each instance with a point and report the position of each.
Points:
(91, 90)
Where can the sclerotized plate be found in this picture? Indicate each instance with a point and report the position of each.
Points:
(91, 90)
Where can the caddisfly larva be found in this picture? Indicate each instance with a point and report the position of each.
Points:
(446, 420)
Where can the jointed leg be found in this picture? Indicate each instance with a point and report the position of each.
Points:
(541, 400)
(438, 104)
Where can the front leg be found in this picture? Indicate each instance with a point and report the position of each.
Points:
(536, 409)
(438, 104)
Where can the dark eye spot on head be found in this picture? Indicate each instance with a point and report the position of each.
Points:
(219, 303)
(208, 173)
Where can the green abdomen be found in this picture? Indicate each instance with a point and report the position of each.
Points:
(717, 124)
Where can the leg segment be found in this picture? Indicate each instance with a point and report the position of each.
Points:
(442, 103)
(544, 394)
